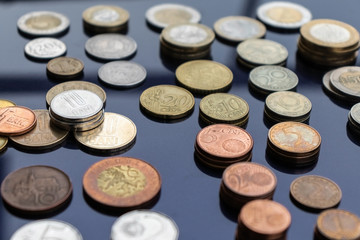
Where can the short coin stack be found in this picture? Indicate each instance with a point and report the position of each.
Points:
(354, 119)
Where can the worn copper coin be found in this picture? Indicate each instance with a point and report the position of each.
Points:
(6, 103)
(16, 120)
(65, 67)
(36, 189)
(122, 182)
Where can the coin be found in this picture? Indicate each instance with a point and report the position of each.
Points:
(3, 143)
(43, 23)
(6, 103)
(47, 229)
(65, 67)
(162, 15)
(43, 136)
(45, 48)
(355, 113)
(16, 120)
(122, 182)
(204, 76)
(285, 15)
(167, 101)
(343, 81)
(36, 189)
(110, 46)
(124, 74)
(328, 88)
(239, 28)
(144, 224)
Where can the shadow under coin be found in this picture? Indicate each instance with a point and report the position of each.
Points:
(217, 173)
(164, 120)
(256, 95)
(353, 135)
(106, 153)
(29, 36)
(228, 212)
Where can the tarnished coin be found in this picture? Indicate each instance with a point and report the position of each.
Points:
(65, 67)
(204, 76)
(144, 224)
(315, 192)
(344, 81)
(3, 143)
(110, 46)
(6, 103)
(45, 48)
(47, 229)
(122, 74)
(162, 15)
(16, 120)
(43, 23)
(43, 136)
(167, 101)
(285, 15)
(122, 182)
(239, 28)
(36, 189)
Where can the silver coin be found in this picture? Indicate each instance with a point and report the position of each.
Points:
(43, 23)
(162, 15)
(345, 80)
(110, 46)
(47, 229)
(285, 15)
(122, 74)
(355, 113)
(45, 48)
(144, 224)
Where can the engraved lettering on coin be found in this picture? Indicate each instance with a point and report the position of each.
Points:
(330, 33)
(45, 48)
(16, 120)
(284, 14)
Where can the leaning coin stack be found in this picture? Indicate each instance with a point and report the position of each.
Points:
(328, 43)
(354, 119)
(186, 41)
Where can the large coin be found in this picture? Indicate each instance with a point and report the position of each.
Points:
(16, 120)
(45, 48)
(344, 80)
(106, 17)
(65, 67)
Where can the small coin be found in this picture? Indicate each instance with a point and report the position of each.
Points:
(167, 101)
(123, 74)
(342, 79)
(36, 189)
(43, 23)
(163, 15)
(122, 182)
(6, 103)
(65, 67)
(45, 48)
(105, 16)
(16, 120)
(110, 46)
(144, 224)
(285, 15)
(47, 229)
(239, 28)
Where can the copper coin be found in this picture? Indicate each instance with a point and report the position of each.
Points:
(36, 189)
(224, 141)
(122, 182)
(16, 120)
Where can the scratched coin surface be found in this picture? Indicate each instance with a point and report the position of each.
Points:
(45, 48)
(105, 16)
(6, 103)
(144, 224)
(36, 188)
(315, 192)
(43, 135)
(64, 67)
(122, 182)
(345, 80)
(47, 229)
(167, 101)
(16, 120)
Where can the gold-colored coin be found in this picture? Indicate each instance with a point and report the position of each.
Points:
(6, 103)
(116, 133)
(65, 67)
(167, 101)
(204, 76)
(3, 143)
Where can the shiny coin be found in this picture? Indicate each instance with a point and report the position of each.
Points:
(167, 101)
(45, 48)
(204, 76)
(47, 229)
(122, 182)
(144, 224)
(16, 120)
(110, 46)
(162, 15)
(43, 23)
(65, 67)
(239, 28)
(342, 81)
(6, 103)
(123, 74)
(285, 15)
(315, 192)
(36, 189)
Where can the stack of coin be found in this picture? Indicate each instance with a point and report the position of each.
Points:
(245, 182)
(77, 110)
(186, 41)
(328, 43)
(354, 119)
(220, 145)
(224, 108)
(263, 220)
(294, 144)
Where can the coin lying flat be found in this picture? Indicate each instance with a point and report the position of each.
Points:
(6, 103)
(342, 81)
(47, 229)
(45, 48)
(144, 224)
(65, 67)
(16, 120)
(43, 23)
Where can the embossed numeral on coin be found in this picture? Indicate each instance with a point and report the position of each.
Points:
(74, 100)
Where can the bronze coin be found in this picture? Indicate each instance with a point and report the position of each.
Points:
(122, 182)
(36, 189)
(65, 67)
(16, 120)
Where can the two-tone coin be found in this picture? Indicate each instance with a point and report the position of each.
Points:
(16, 120)
(64, 68)
(45, 48)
